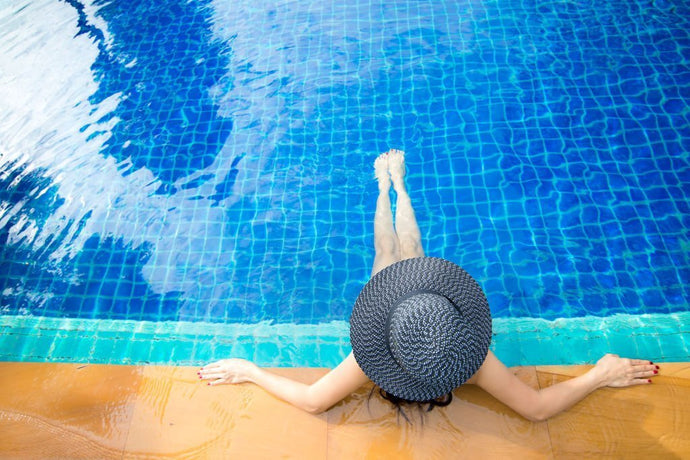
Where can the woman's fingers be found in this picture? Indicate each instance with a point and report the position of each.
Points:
(227, 371)
(215, 377)
(641, 375)
(643, 372)
(214, 365)
(211, 375)
(218, 372)
(213, 370)
(645, 369)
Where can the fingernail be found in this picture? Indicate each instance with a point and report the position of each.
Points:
(657, 367)
(649, 381)
(656, 372)
(651, 362)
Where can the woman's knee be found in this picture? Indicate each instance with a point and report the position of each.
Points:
(410, 248)
(387, 246)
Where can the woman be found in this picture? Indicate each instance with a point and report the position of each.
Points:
(420, 328)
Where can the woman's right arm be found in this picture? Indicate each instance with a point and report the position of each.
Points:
(315, 398)
(537, 405)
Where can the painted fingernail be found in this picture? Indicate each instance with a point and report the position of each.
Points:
(656, 372)
(651, 362)
(657, 367)
(649, 381)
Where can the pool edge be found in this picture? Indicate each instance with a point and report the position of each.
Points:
(516, 341)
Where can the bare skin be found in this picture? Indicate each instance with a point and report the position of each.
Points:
(403, 241)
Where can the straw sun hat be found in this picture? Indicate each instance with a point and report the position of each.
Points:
(420, 328)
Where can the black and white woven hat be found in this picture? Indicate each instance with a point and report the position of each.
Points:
(420, 328)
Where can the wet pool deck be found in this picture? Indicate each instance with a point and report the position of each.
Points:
(50, 410)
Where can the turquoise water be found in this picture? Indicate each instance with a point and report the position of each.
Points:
(517, 341)
(185, 181)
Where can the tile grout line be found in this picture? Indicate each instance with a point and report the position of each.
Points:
(548, 423)
(134, 411)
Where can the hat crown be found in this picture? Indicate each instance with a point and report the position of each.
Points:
(424, 337)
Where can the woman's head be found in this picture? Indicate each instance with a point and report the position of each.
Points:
(420, 328)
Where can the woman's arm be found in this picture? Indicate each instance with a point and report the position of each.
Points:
(537, 405)
(315, 398)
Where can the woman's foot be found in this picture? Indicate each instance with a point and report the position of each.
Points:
(396, 167)
(381, 171)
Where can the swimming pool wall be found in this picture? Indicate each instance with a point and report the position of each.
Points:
(516, 341)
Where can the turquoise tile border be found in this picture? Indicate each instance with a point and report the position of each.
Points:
(517, 341)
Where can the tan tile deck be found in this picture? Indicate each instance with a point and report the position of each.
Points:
(94, 411)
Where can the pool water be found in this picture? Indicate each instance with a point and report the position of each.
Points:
(182, 181)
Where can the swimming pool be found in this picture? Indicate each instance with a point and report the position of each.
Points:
(183, 181)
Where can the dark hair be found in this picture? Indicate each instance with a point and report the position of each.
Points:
(399, 403)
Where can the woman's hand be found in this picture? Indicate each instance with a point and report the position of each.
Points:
(228, 371)
(614, 371)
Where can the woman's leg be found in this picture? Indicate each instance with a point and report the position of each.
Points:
(409, 236)
(386, 241)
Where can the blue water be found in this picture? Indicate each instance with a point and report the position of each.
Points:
(212, 161)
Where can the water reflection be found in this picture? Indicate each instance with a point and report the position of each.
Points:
(94, 129)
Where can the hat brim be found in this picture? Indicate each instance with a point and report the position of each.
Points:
(368, 332)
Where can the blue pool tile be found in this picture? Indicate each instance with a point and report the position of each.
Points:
(13, 345)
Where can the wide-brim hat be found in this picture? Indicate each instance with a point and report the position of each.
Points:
(420, 328)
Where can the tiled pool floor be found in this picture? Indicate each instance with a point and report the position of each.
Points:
(50, 410)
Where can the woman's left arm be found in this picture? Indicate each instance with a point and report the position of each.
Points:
(315, 398)
(536, 405)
